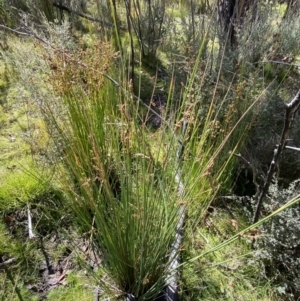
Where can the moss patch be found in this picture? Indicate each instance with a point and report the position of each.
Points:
(228, 274)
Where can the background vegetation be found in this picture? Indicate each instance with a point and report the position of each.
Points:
(136, 140)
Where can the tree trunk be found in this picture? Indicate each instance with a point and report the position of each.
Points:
(231, 14)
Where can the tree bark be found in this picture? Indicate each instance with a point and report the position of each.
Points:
(231, 14)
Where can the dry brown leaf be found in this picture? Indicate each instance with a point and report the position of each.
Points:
(235, 224)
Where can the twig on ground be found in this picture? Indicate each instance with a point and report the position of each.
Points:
(292, 148)
(22, 33)
(8, 261)
(290, 110)
(30, 232)
(47, 260)
(282, 63)
(96, 293)
(245, 198)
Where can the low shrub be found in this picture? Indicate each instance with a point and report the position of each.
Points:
(279, 246)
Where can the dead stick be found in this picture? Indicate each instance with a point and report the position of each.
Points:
(290, 110)
(293, 148)
(8, 261)
(171, 290)
(86, 16)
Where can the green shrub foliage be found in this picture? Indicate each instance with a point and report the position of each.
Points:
(279, 244)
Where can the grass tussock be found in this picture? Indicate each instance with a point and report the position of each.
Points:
(121, 190)
(119, 179)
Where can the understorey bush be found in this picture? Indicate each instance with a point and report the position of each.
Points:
(279, 244)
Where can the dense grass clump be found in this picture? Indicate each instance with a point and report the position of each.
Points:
(121, 190)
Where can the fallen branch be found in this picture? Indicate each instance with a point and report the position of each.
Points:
(21, 33)
(282, 63)
(171, 292)
(290, 110)
(86, 16)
